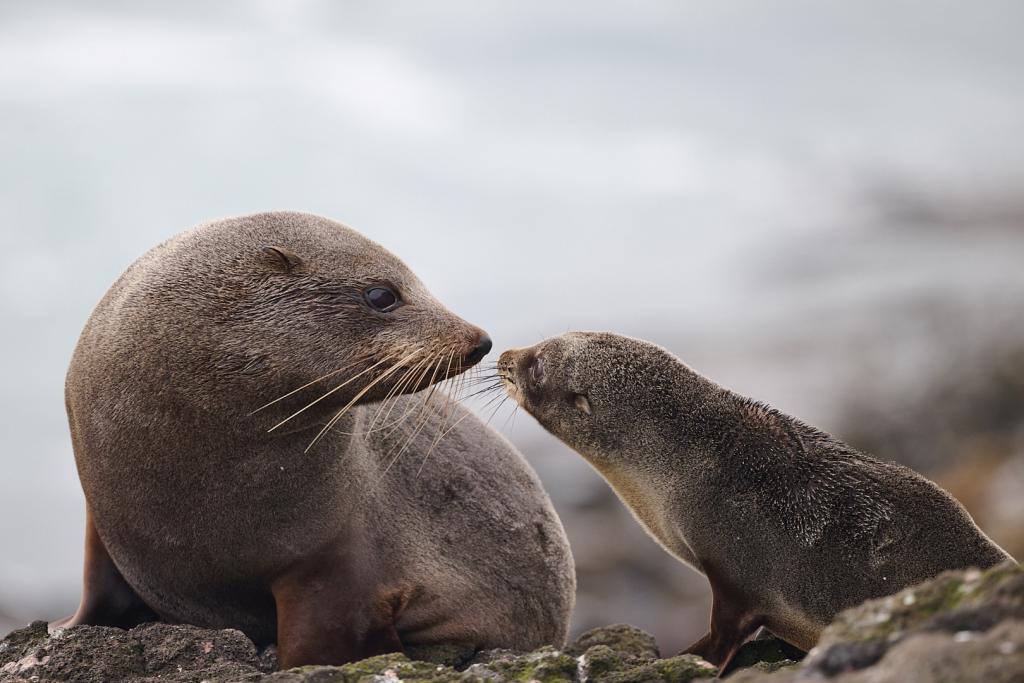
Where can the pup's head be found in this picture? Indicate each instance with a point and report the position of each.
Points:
(610, 398)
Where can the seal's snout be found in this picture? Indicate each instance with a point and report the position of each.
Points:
(507, 359)
(482, 348)
(522, 374)
(506, 371)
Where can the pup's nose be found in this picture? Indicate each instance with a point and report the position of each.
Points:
(482, 348)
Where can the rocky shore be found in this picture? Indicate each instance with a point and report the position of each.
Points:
(961, 626)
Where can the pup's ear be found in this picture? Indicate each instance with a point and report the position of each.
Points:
(582, 403)
(282, 259)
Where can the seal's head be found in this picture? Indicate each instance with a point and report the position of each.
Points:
(257, 306)
(603, 394)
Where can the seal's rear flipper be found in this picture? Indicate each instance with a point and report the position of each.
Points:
(107, 599)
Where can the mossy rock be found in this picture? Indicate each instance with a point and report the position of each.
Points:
(678, 669)
(628, 641)
(961, 626)
(889, 618)
(455, 656)
(598, 662)
(546, 665)
(310, 674)
(380, 669)
(957, 607)
(766, 653)
(396, 666)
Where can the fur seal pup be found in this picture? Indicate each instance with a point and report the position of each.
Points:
(789, 524)
(242, 468)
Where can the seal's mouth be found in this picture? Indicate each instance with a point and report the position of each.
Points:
(506, 372)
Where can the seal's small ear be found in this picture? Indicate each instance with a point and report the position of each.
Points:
(582, 403)
(285, 259)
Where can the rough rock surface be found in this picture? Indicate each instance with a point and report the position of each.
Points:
(961, 626)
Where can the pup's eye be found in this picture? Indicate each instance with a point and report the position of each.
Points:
(381, 299)
(536, 370)
(581, 402)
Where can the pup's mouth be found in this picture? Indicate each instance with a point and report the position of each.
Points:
(522, 374)
(506, 372)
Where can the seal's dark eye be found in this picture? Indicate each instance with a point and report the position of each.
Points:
(381, 298)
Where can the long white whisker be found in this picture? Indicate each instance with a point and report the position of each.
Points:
(358, 396)
(332, 391)
(361, 359)
(422, 423)
(404, 382)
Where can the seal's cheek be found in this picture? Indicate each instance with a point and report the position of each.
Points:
(513, 390)
(531, 377)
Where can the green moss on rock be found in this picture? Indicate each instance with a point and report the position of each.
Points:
(546, 665)
(450, 655)
(309, 674)
(961, 626)
(678, 669)
(598, 662)
(396, 666)
(891, 617)
(389, 668)
(628, 641)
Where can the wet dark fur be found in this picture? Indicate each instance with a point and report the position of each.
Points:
(199, 513)
(789, 524)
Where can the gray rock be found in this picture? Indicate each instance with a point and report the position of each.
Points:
(766, 653)
(151, 652)
(627, 641)
(962, 626)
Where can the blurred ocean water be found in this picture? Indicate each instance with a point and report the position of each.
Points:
(793, 197)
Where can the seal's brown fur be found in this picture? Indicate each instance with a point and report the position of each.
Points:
(789, 524)
(208, 506)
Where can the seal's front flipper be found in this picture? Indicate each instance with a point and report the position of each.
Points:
(720, 644)
(324, 617)
(107, 599)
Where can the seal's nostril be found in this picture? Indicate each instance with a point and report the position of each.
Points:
(482, 348)
(485, 345)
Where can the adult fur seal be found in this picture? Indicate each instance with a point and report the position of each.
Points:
(789, 524)
(242, 467)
